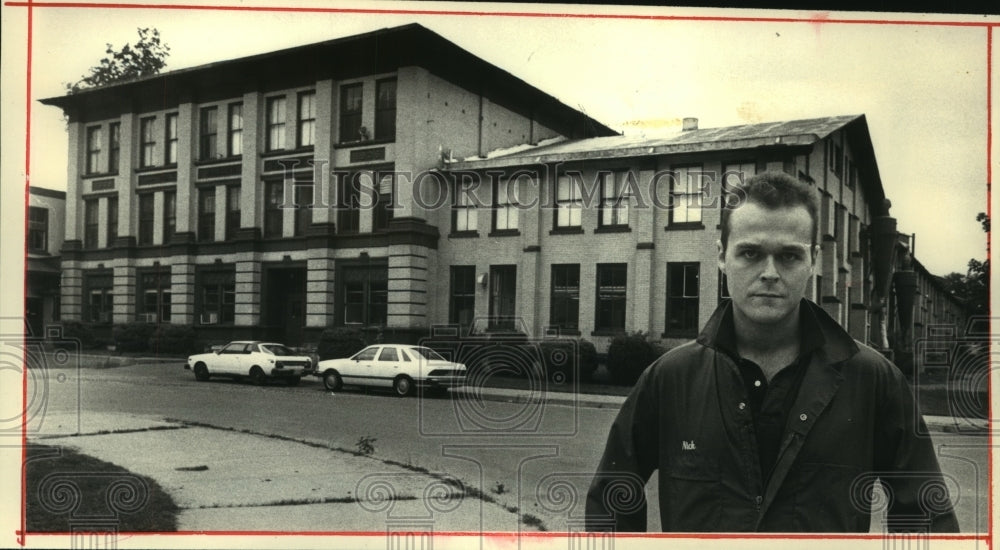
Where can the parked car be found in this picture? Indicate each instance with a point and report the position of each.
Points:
(396, 366)
(258, 361)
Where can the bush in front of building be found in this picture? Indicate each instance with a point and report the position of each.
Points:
(76, 334)
(340, 342)
(568, 360)
(175, 340)
(133, 337)
(629, 355)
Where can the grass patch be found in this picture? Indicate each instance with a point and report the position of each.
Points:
(78, 488)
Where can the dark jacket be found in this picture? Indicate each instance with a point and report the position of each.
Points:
(853, 420)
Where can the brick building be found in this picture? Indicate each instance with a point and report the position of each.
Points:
(44, 236)
(407, 183)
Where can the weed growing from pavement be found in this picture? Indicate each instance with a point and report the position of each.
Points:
(533, 521)
(366, 445)
(499, 488)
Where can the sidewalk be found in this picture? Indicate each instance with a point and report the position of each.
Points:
(236, 481)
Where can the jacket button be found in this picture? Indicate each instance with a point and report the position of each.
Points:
(742, 406)
(803, 417)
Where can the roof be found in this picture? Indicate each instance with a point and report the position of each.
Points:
(44, 192)
(375, 52)
(705, 140)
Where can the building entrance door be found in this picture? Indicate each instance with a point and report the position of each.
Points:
(503, 285)
(285, 304)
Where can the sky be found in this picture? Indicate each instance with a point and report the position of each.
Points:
(922, 87)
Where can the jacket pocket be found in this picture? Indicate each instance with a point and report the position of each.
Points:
(693, 488)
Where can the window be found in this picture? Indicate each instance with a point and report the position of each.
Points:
(464, 216)
(385, 109)
(206, 214)
(350, 113)
(112, 220)
(275, 124)
(569, 203)
(208, 129)
(169, 215)
(90, 223)
(273, 219)
(365, 295)
(383, 202)
(734, 175)
(505, 209)
(303, 206)
(147, 142)
(114, 147)
(348, 203)
(146, 218)
(611, 289)
(98, 296)
(682, 298)
(852, 173)
(503, 290)
(217, 293)
(93, 149)
(462, 306)
(307, 119)
(388, 354)
(154, 292)
(234, 139)
(232, 211)
(685, 195)
(366, 354)
(38, 229)
(615, 197)
(171, 138)
(564, 310)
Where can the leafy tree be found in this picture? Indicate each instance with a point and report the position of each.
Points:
(973, 287)
(145, 57)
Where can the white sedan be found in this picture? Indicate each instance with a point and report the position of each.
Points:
(396, 366)
(259, 361)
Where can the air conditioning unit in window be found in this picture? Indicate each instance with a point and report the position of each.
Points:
(209, 318)
(147, 317)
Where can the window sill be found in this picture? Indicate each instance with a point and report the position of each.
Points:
(146, 169)
(463, 235)
(505, 233)
(608, 332)
(680, 334)
(684, 226)
(287, 152)
(556, 331)
(350, 144)
(211, 162)
(613, 229)
(95, 175)
(575, 230)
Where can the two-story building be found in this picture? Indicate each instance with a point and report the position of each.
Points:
(46, 210)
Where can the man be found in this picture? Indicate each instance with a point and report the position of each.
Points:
(774, 419)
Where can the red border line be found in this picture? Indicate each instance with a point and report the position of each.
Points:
(989, 210)
(560, 534)
(501, 14)
(22, 534)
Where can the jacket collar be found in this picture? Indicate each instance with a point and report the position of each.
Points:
(838, 345)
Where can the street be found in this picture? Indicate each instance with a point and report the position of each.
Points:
(539, 455)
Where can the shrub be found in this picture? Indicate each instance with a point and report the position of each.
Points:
(629, 355)
(175, 340)
(338, 342)
(76, 332)
(132, 336)
(562, 360)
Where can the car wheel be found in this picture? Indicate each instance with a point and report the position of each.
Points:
(402, 385)
(200, 372)
(257, 376)
(293, 380)
(332, 380)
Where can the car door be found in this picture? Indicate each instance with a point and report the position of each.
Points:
(227, 360)
(358, 369)
(386, 367)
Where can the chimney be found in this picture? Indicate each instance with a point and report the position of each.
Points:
(690, 123)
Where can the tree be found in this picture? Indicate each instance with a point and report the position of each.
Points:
(145, 57)
(973, 288)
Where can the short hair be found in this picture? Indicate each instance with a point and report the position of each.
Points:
(772, 190)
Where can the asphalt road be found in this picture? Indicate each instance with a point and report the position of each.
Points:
(539, 454)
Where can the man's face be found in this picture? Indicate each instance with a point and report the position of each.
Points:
(768, 261)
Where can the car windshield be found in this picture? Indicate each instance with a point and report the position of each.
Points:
(277, 349)
(428, 353)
